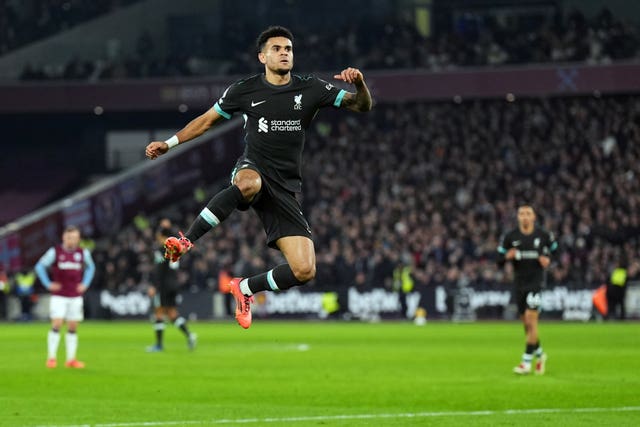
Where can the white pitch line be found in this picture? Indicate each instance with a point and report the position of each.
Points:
(361, 417)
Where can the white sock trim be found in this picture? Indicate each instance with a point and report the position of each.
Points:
(244, 287)
(272, 283)
(208, 216)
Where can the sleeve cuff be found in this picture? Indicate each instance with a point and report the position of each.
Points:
(221, 111)
(338, 100)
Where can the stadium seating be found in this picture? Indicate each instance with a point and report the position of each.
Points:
(380, 42)
(433, 185)
(24, 22)
(426, 184)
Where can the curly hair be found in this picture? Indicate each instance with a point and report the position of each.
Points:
(273, 31)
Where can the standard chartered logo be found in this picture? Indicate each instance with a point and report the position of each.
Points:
(279, 125)
(262, 125)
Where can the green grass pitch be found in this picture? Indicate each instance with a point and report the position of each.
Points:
(323, 374)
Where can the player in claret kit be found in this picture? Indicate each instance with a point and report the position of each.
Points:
(72, 270)
(277, 107)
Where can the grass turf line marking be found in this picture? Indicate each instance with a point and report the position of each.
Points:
(361, 417)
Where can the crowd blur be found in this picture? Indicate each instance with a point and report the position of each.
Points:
(26, 21)
(422, 185)
(394, 43)
(432, 186)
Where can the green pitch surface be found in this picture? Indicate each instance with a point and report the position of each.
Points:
(323, 374)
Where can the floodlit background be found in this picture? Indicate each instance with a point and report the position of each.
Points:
(479, 106)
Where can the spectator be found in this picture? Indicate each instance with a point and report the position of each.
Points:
(4, 291)
(24, 289)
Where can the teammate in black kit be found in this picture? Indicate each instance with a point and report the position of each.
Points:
(277, 107)
(529, 248)
(164, 292)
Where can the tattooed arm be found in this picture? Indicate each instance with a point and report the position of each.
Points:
(360, 101)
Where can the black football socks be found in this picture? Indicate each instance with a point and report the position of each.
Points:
(216, 211)
(277, 279)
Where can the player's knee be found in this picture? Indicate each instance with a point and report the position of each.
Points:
(304, 272)
(248, 188)
(249, 184)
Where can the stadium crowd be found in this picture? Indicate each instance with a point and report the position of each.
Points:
(432, 186)
(425, 185)
(389, 44)
(26, 21)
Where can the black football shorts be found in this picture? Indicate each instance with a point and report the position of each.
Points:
(277, 208)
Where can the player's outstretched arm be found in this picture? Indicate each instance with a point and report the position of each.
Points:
(193, 129)
(360, 101)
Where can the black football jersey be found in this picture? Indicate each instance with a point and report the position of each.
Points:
(275, 121)
(165, 273)
(528, 273)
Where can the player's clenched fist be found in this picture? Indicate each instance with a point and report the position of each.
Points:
(155, 149)
(350, 75)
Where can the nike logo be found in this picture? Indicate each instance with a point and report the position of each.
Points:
(253, 104)
(516, 243)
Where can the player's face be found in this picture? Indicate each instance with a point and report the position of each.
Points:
(526, 217)
(277, 55)
(71, 239)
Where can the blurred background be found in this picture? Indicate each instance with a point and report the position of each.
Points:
(480, 105)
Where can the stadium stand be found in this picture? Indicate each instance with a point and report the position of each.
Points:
(436, 184)
(423, 184)
(23, 22)
(375, 43)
